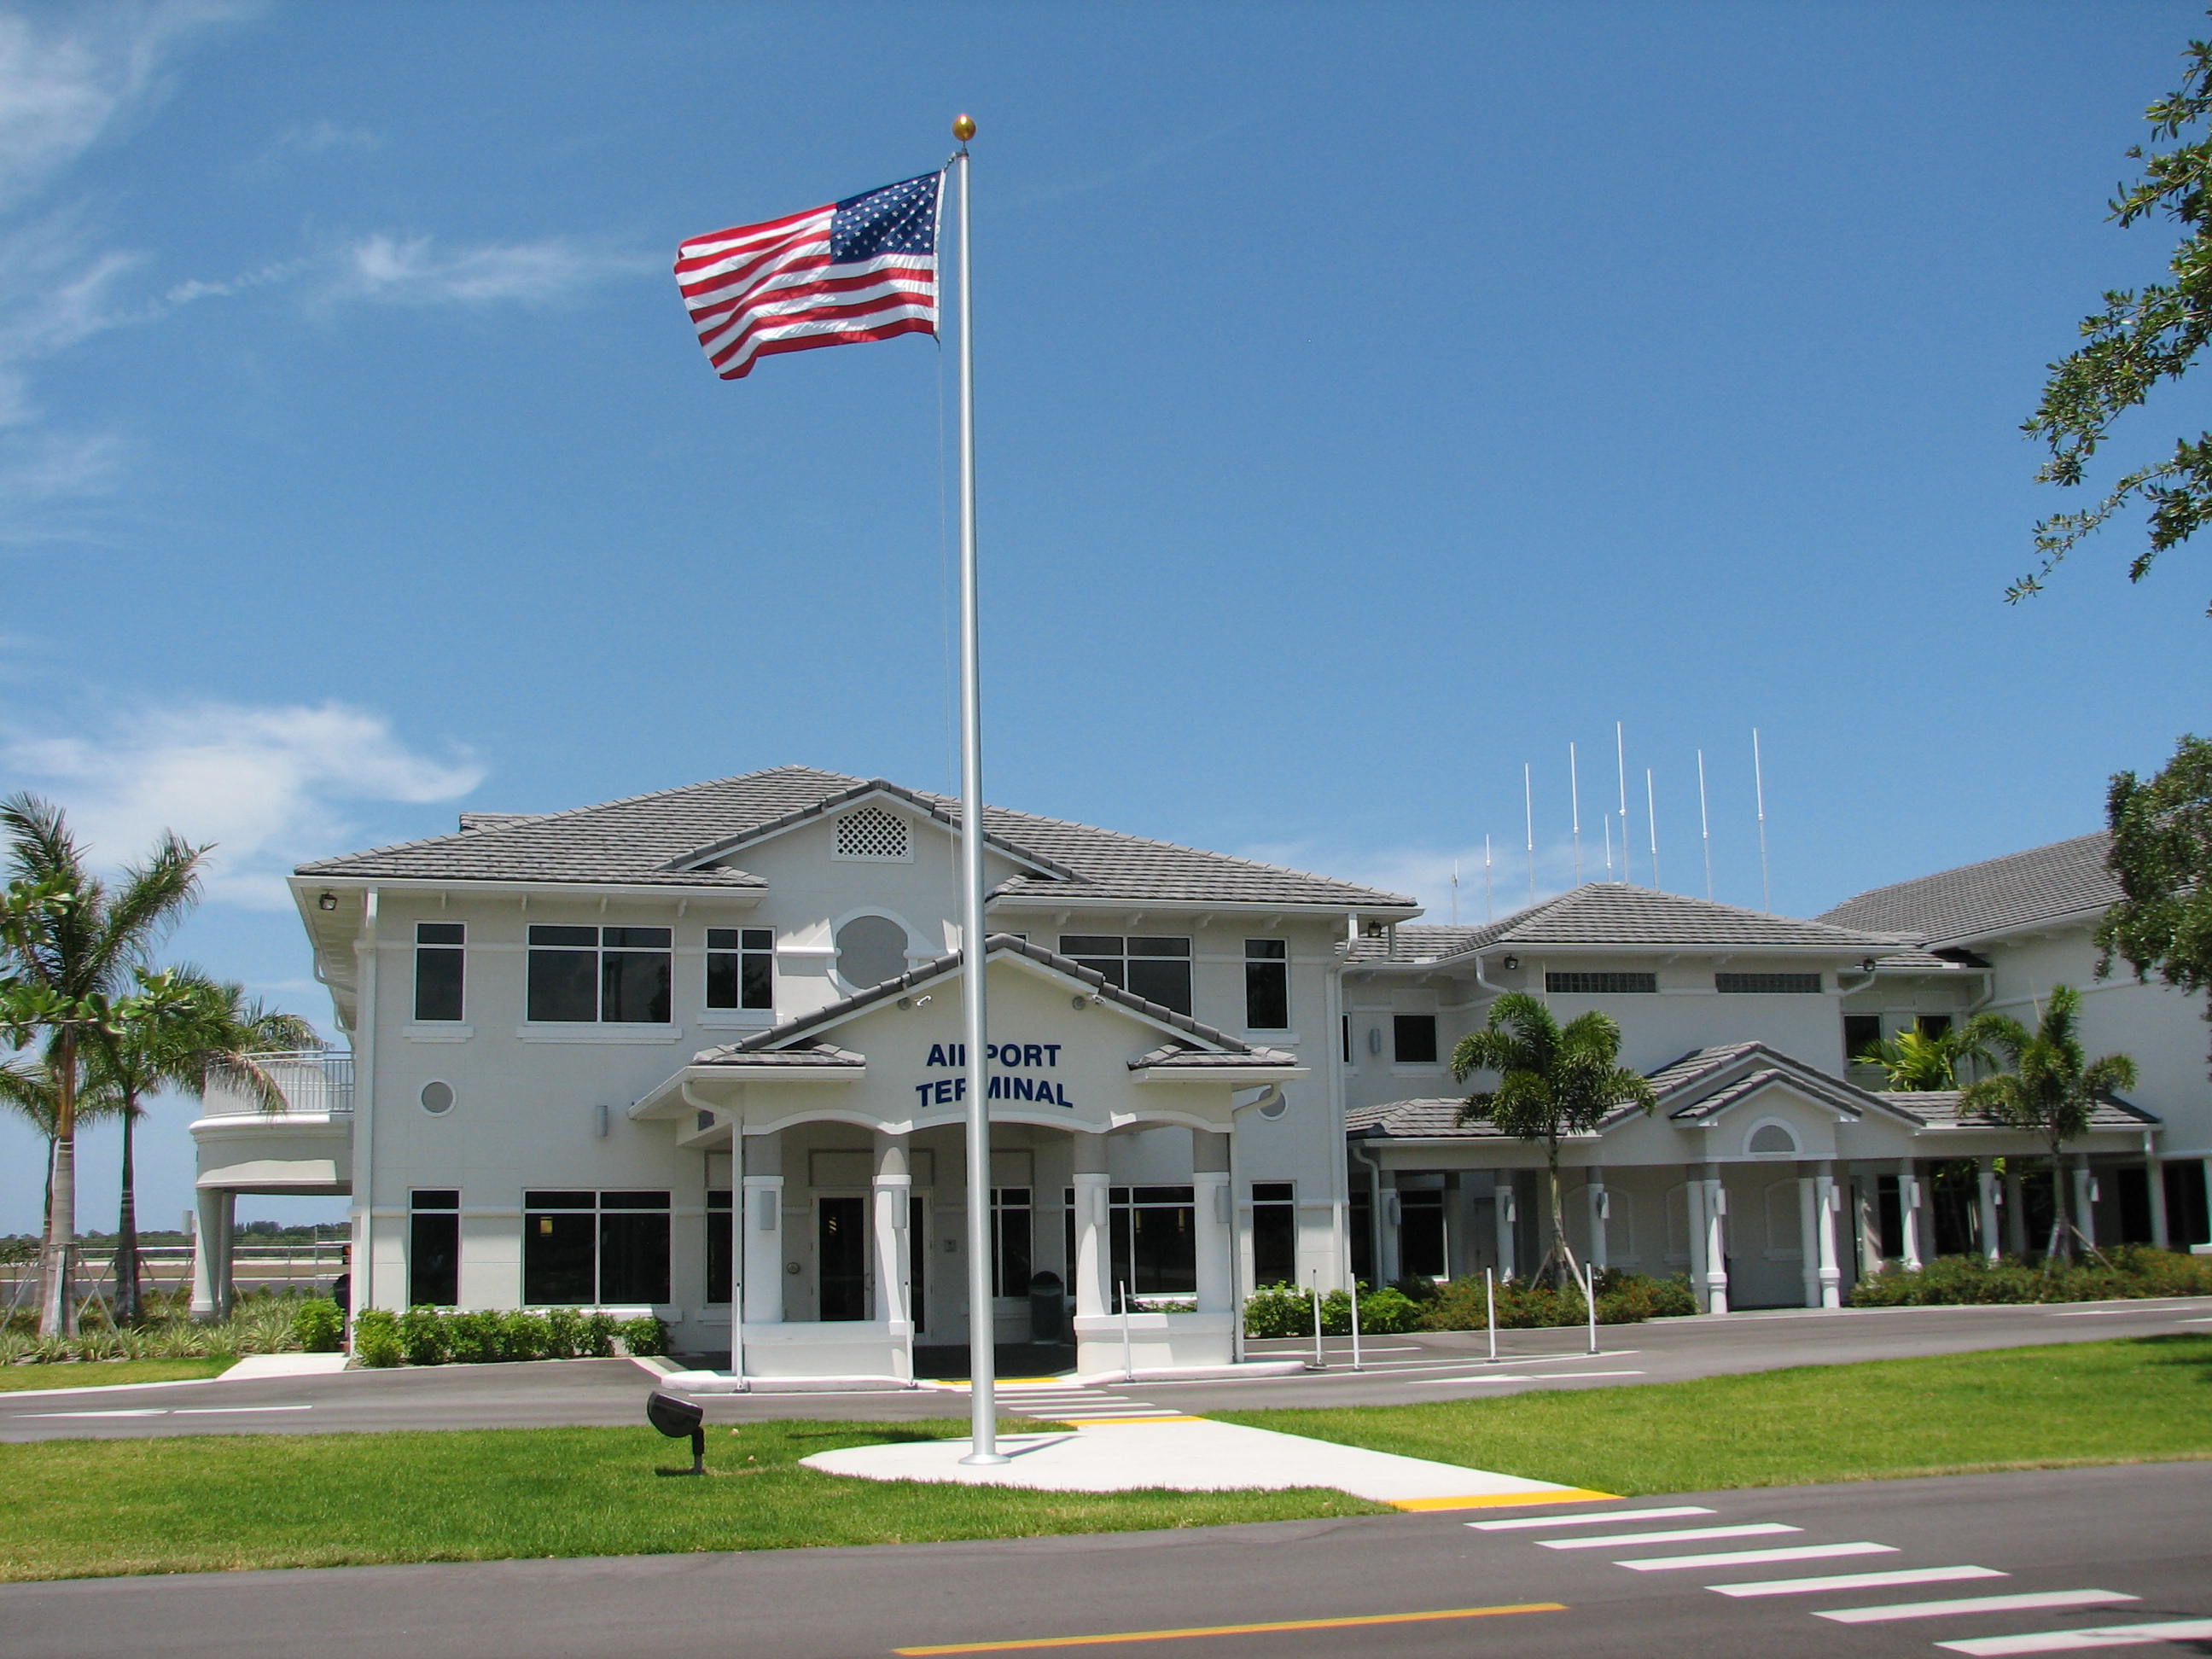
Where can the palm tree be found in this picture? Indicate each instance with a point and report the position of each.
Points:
(2050, 1089)
(183, 1032)
(1919, 1061)
(1553, 1080)
(69, 942)
(27, 1089)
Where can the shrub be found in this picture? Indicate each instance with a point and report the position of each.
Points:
(1279, 1310)
(1387, 1311)
(524, 1336)
(473, 1339)
(1286, 1310)
(1623, 1298)
(423, 1336)
(2131, 1270)
(318, 1326)
(376, 1337)
(564, 1333)
(643, 1337)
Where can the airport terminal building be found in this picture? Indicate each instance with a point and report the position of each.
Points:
(698, 1052)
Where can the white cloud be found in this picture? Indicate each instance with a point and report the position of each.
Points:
(270, 786)
(413, 270)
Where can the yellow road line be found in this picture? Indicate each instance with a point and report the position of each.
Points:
(1230, 1630)
(1110, 1422)
(1492, 1500)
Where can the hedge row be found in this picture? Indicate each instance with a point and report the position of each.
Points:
(2130, 1271)
(1419, 1304)
(442, 1336)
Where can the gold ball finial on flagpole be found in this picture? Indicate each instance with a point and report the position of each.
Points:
(963, 127)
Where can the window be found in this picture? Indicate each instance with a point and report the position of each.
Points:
(1767, 984)
(1421, 1233)
(1344, 1036)
(434, 1249)
(1932, 1025)
(1860, 1033)
(1155, 1240)
(1600, 984)
(1012, 1238)
(1413, 1037)
(620, 975)
(871, 949)
(1274, 1233)
(1154, 968)
(438, 958)
(871, 832)
(721, 1246)
(741, 968)
(581, 1248)
(1267, 985)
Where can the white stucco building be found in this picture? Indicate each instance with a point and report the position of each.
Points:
(698, 1052)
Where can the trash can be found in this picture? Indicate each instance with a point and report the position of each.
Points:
(1048, 1309)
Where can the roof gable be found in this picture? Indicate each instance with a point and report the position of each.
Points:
(1618, 914)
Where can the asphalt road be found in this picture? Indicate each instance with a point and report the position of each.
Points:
(2138, 1539)
(1449, 1365)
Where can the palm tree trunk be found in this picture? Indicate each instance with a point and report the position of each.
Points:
(2061, 1223)
(1559, 1261)
(57, 1291)
(126, 1223)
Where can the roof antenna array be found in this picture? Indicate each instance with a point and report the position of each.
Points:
(1758, 784)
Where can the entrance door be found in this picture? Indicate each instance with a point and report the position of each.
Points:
(840, 1256)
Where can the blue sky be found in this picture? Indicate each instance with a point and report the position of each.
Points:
(1372, 400)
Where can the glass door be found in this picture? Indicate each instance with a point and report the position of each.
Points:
(840, 1258)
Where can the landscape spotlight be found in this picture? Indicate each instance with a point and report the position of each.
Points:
(676, 1418)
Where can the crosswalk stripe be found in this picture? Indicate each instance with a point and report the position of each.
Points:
(1842, 1581)
(1677, 1535)
(2082, 1598)
(1747, 1558)
(2095, 1636)
(1525, 1521)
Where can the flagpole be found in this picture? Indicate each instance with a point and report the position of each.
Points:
(982, 1361)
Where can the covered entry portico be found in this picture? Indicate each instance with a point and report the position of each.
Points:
(838, 1139)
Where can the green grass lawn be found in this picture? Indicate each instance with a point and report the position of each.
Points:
(2145, 1400)
(79, 1509)
(108, 1373)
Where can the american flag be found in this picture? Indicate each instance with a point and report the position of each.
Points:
(861, 269)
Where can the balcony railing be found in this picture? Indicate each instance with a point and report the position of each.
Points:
(314, 1081)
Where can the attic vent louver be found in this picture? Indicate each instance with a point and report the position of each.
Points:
(871, 832)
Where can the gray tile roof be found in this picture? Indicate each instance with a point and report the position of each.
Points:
(1941, 1109)
(1415, 1119)
(781, 1040)
(1611, 913)
(2065, 878)
(659, 840)
(821, 1054)
(1174, 1057)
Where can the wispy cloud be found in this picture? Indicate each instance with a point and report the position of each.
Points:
(1425, 872)
(269, 785)
(417, 270)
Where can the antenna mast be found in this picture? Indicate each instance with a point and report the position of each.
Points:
(1575, 810)
(1704, 824)
(1651, 823)
(1758, 785)
(1489, 901)
(1620, 762)
(1528, 820)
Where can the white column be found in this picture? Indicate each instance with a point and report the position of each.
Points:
(1212, 1235)
(1827, 1203)
(1717, 1283)
(736, 1223)
(1507, 1211)
(1808, 1238)
(1391, 1268)
(1694, 1217)
(2085, 1206)
(1093, 1252)
(1594, 1195)
(894, 1192)
(762, 1257)
(1908, 1211)
(2154, 1173)
(211, 1290)
(1985, 1183)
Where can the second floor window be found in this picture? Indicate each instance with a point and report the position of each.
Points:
(741, 968)
(1267, 985)
(1155, 968)
(612, 974)
(438, 960)
(1413, 1039)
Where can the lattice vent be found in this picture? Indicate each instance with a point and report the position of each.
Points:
(871, 832)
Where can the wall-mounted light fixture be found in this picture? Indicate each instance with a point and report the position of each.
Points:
(328, 902)
(1867, 966)
(599, 1120)
(1374, 1039)
(1510, 964)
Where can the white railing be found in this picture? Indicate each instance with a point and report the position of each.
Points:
(316, 1081)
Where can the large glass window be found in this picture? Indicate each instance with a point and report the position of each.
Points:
(741, 968)
(1421, 1233)
(1414, 1038)
(433, 1248)
(1267, 985)
(615, 974)
(1860, 1033)
(438, 968)
(1152, 966)
(1274, 1233)
(581, 1247)
(1012, 1240)
(1155, 1240)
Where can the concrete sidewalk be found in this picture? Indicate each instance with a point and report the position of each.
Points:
(1197, 1455)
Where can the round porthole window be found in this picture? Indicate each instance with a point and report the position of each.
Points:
(437, 1098)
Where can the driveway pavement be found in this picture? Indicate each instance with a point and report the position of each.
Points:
(1444, 1366)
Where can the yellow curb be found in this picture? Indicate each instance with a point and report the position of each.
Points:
(1120, 1422)
(1498, 1499)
